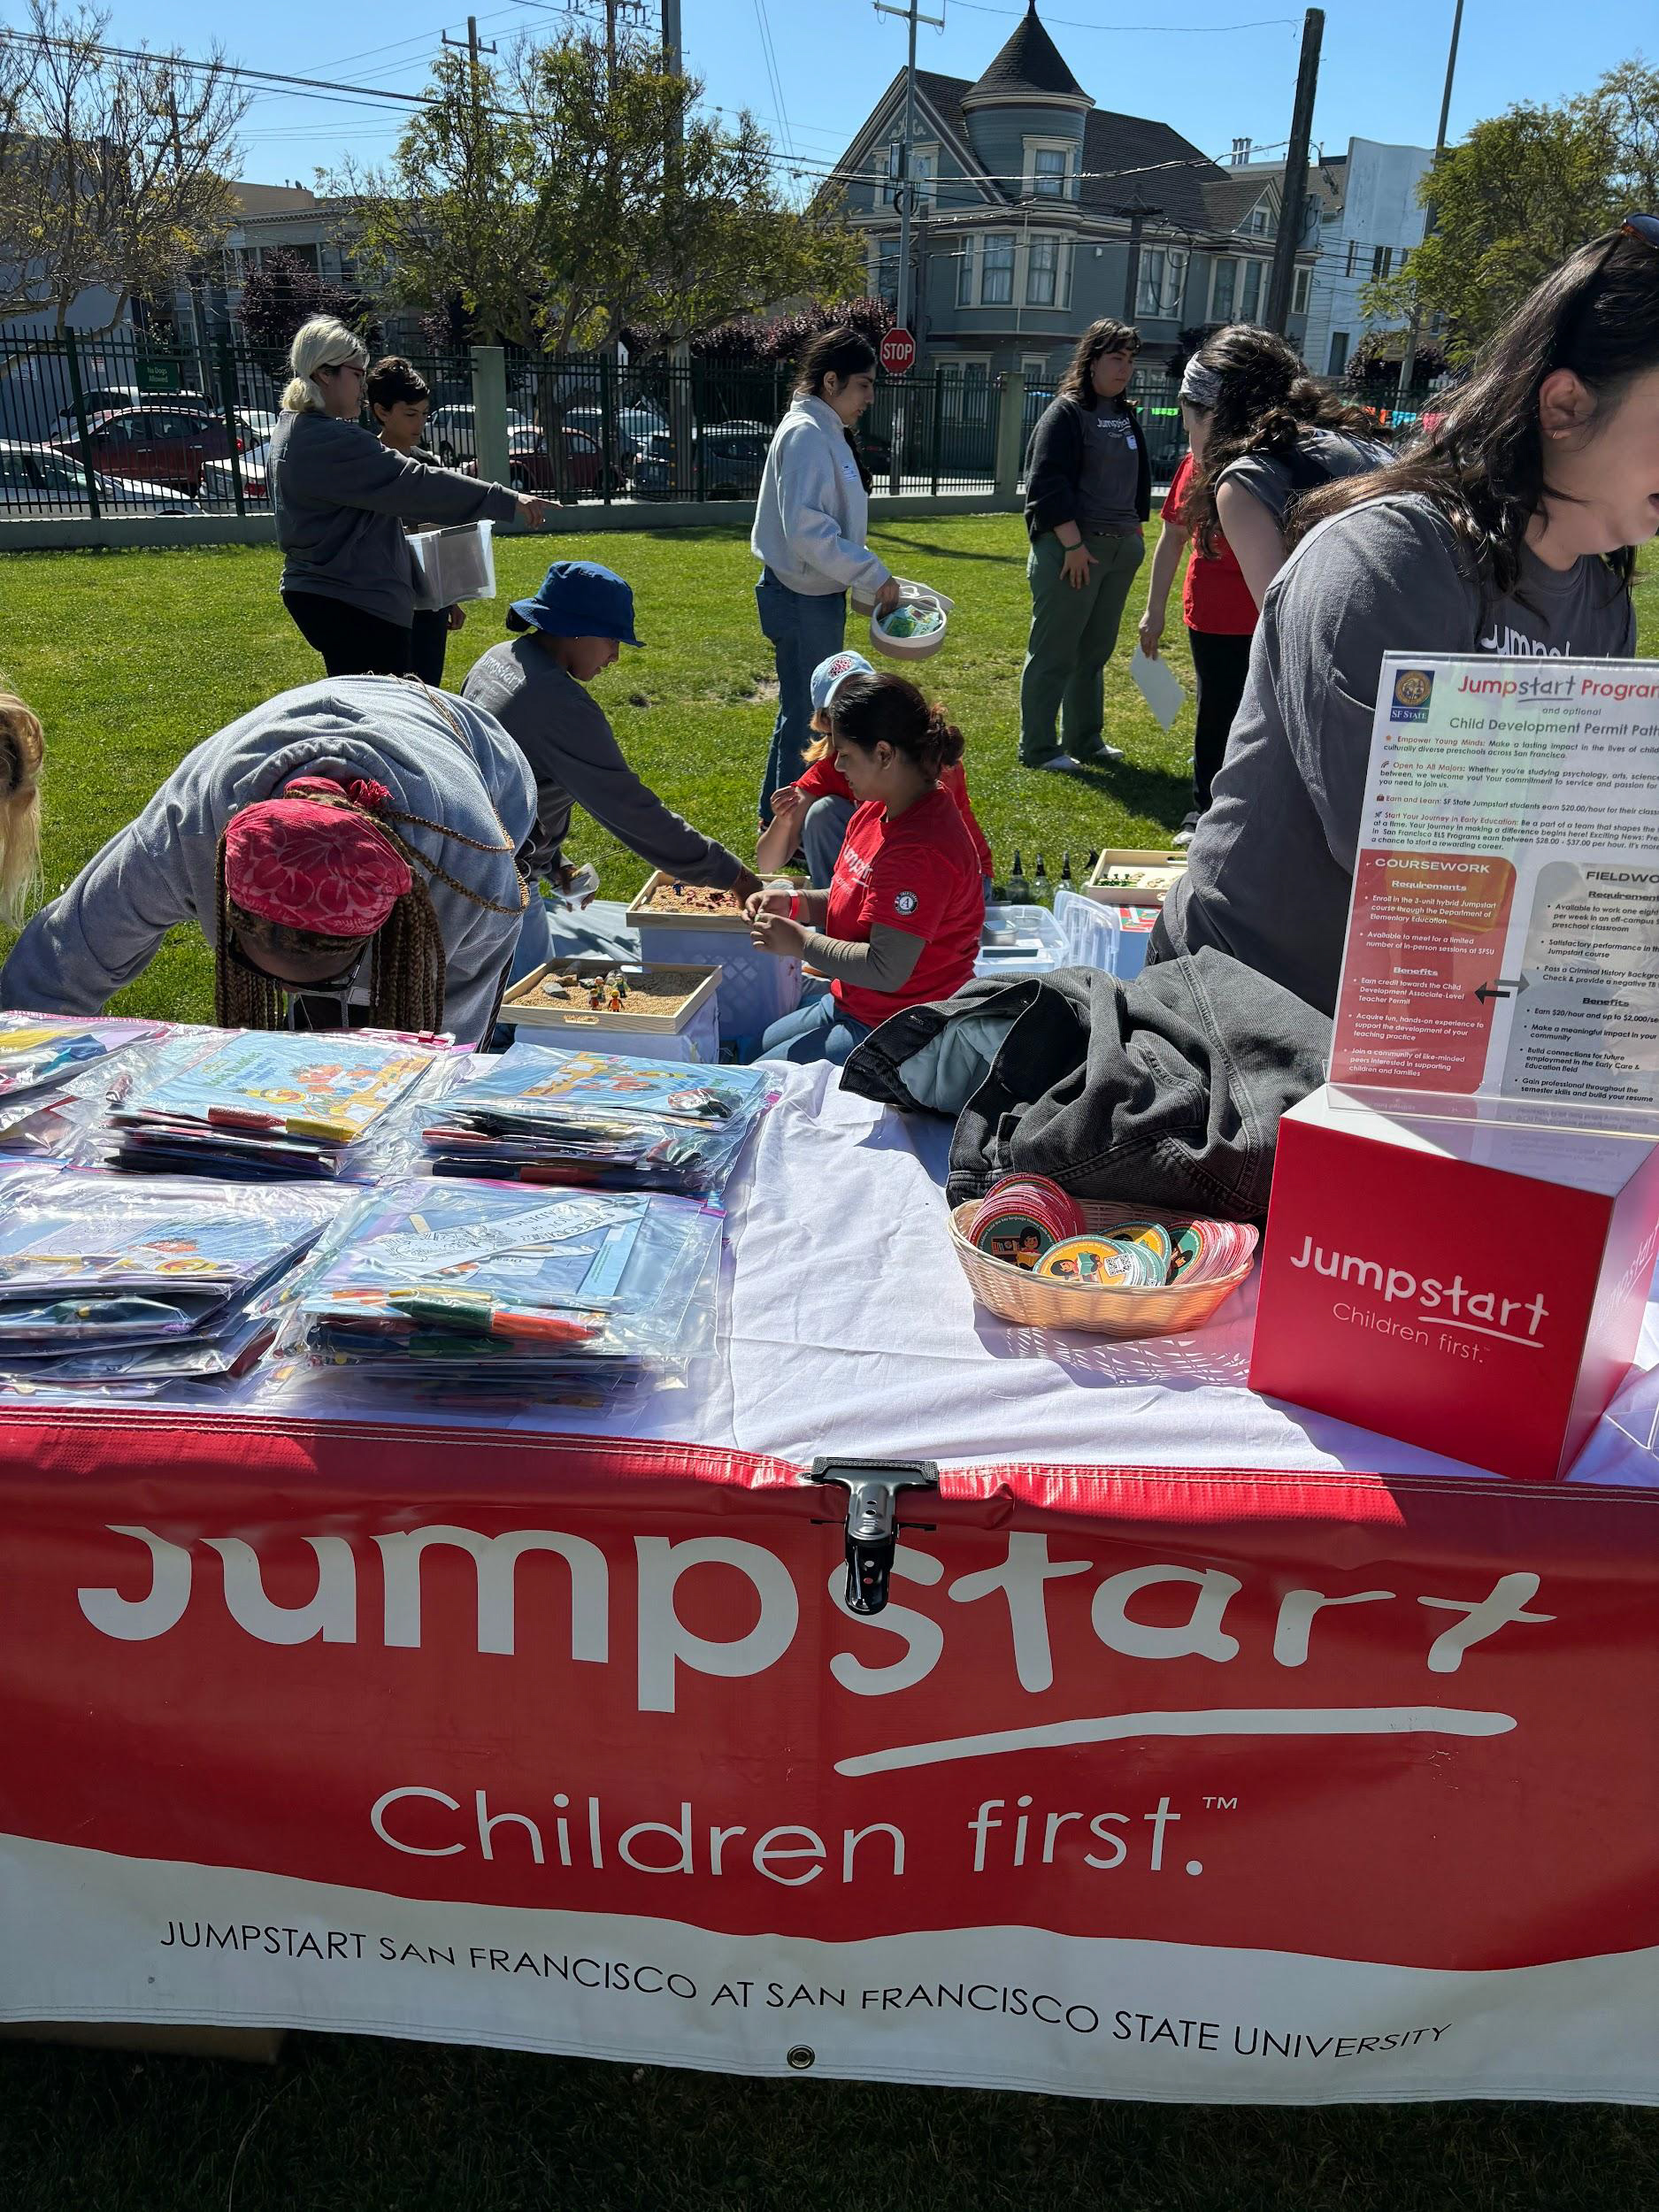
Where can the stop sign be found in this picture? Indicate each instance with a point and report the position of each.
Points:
(898, 351)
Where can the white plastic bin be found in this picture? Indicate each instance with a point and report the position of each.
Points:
(1041, 948)
(1109, 937)
(456, 564)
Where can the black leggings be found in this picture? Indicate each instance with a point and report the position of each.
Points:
(1221, 665)
(429, 640)
(352, 643)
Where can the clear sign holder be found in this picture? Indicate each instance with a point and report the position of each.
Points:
(1502, 963)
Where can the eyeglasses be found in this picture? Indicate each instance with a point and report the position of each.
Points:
(1643, 226)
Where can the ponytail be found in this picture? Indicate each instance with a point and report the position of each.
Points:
(872, 710)
(22, 751)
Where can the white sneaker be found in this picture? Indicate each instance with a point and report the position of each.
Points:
(1059, 764)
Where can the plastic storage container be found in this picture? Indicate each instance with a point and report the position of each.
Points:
(756, 988)
(456, 564)
(1103, 934)
(692, 1033)
(1040, 943)
(915, 600)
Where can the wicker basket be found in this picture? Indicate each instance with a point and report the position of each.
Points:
(1099, 1310)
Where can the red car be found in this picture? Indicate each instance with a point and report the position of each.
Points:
(577, 470)
(163, 444)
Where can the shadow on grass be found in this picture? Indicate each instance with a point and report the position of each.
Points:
(1016, 549)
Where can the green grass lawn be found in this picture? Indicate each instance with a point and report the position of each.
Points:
(133, 658)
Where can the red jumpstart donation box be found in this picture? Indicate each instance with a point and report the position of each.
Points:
(1474, 1288)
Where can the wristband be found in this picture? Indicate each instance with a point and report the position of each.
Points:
(794, 906)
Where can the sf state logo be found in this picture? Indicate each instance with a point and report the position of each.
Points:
(1412, 687)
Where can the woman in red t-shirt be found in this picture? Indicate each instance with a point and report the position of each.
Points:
(901, 921)
(1219, 613)
(811, 815)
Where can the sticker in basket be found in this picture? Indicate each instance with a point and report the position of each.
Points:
(1019, 1238)
(1152, 1237)
(1089, 1260)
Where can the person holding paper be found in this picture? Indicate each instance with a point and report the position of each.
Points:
(1088, 493)
(341, 499)
(1510, 532)
(1216, 606)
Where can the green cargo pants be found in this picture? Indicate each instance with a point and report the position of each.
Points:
(1072, 634)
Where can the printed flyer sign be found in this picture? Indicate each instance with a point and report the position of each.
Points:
(1256, 1788)
(1503, 939)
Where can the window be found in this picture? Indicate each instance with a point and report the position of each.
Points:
(1300, 291)
(1250, 291)
(923, 169)
(1223, 284)
(887, 272)
(1163, 280)
(1048, 163)
(1339, 353)
(1035, 368)
(1353, 256)
(1257, 225)
(996, 280)
(1042, 272)
(1382, 261)
(967, 257)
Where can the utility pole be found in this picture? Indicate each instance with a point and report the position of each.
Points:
(473, 46)
(1294, 199)
(1409, 359)
(903, 307)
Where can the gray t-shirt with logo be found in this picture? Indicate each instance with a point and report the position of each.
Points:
(1112, 471)
(1270, 869)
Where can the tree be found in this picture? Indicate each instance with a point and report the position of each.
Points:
(114, 168)
(1523, 191)
(567, 196)
(284, 291)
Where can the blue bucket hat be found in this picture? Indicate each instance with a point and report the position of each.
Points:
(578, 599)
(830, 675)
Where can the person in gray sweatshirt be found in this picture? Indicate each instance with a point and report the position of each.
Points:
(341, 499)
(442, 777)
(535, 686)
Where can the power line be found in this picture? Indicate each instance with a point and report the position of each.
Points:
(1211, 30)
(771, 57)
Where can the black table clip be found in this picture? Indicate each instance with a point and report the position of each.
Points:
(873, 1487)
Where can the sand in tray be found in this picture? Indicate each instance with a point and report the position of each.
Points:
(659, 991)
(692, 898)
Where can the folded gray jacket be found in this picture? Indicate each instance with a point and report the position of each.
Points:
(1163, 1092)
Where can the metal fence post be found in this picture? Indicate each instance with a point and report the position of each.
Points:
(490, 415)
(607, 425)
(938, 421)
(227, 393)
(1010, 435)
(78, 396)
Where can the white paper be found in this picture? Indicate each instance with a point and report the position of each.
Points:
(1159, 686)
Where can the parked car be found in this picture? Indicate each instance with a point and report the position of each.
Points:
(256, 424)
(163, 444)
(219, 485)
(452, 431)
(634, 426)
(727, 458)
(574, 470)
(41, 478)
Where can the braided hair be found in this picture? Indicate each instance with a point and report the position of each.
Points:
(407, 970)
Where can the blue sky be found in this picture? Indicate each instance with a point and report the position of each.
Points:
(1380, 75)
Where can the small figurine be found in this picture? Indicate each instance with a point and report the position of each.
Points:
(596, 993)
(613, 1005)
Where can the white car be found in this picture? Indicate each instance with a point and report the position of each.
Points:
(452, 430)
(36, 478)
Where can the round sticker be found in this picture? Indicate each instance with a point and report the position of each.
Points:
(1088, 1260)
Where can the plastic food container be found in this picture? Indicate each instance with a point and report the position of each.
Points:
(1104, 935)
(690, 1030)
(1014, 1294)
(756, 988)
(456, 564)
(1038, 945)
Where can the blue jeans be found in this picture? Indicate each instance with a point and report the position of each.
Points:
(817, 1031)
(803, 631)
(821, 838)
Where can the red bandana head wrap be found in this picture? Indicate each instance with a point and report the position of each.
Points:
(311, 866)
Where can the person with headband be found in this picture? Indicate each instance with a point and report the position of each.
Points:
(348, 850)
(341, 499)
(1510, 532)
(901, 922)
(1216, 607)
(22, 753)
(1271, 436)
(1088, 494)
